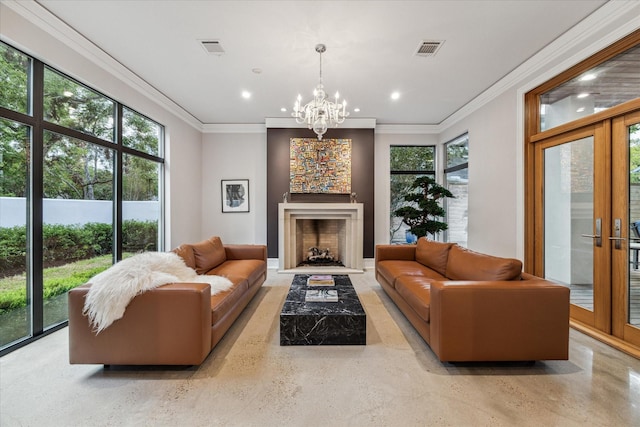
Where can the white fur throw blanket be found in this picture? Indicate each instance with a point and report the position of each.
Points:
(113, 289)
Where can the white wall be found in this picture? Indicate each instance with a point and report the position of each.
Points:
(56, 45)
(493, 169)
(235, 156)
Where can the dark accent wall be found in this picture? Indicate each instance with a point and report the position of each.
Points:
(362, 179)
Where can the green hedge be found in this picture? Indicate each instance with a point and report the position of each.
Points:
(67, 243)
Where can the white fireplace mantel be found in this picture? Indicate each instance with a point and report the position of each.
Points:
(351, 213)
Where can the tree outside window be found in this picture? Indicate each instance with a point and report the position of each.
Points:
(407, 162)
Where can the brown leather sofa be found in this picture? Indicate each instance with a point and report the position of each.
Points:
(174, 324)
(470, 306)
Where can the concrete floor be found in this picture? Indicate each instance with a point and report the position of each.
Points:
(250, 380)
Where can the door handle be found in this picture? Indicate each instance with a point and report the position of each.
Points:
(617, 227)
(598, 236)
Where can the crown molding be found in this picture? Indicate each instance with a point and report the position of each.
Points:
(39, 16)
(234, 128)
(279, 122)
(400, 129)
(599, 20)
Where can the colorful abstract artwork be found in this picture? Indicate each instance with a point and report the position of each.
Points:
(320, 166)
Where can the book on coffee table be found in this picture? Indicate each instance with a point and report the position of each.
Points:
(321, 295)
(320, 280)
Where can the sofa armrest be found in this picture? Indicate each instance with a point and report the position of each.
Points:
(246, 252)
(168, 325)
(395, 252)
(499, 320)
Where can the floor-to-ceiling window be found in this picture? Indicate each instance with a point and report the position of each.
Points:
(456, 177)
(407, 163)
(582, 201)
(80, 188)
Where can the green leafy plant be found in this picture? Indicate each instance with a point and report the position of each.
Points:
(423, 213)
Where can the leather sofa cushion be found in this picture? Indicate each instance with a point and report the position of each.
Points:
(208, 254)
(416, 291)
(392, 269)
(222, 302)
(186, 253)
(464, 264)
(250, 269)
(433, 254)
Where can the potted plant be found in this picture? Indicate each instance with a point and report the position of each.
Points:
(422, 215)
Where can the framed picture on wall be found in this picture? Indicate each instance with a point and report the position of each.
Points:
(235, 195)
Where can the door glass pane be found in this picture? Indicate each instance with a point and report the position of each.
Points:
(568, 213)
(15, 310)
(77, 218)
(140, 205)
(604, 86)
(634, 221)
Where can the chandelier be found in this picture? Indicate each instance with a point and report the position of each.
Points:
(320, 113)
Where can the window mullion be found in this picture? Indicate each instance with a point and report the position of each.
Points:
(35, 239)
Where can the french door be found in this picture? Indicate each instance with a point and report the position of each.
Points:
(587, 203)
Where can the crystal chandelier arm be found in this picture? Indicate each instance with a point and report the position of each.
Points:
(320, 112)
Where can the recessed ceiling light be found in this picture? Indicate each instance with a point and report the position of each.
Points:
(580, 110)
(587, 77)
(395, 95)
(246, 94)
(284, 110)
(356, 110)
(583, 95)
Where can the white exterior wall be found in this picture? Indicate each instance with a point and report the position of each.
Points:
(13, 211)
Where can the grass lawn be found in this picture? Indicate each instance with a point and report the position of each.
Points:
(57, 280)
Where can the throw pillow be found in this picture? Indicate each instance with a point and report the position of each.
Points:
(433, 254)
(208, 254)
(186, 253)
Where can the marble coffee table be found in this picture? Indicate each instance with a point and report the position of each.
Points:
(323, 323)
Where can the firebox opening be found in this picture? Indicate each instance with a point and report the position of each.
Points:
(321, 242)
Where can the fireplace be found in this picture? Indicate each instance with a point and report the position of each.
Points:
(335, 228)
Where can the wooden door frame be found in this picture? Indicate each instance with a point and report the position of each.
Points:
(620, 261)
(600, 317)
(532, 136)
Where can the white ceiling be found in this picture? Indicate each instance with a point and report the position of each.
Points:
(371, 48)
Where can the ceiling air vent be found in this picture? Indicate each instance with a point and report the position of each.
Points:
(213, 46)
(429, 47)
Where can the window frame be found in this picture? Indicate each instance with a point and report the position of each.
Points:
(451, 169)
(35, 120)
(416, 172)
